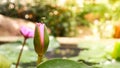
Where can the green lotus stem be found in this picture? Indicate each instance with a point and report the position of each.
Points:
(18, 60)
(40, 58)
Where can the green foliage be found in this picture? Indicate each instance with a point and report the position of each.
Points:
(115, 11)
(5, 9)
(64, 63)
(97, 10)
(113, 1)
(56, 18)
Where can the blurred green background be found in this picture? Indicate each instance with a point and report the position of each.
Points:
(64, 17)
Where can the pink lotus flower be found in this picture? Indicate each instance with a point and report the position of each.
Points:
(27, 32)
(41, 38)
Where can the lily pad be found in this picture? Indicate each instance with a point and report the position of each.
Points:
(62, 63)
(95, 51)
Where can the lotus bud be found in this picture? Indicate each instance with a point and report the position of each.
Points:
(41, 39)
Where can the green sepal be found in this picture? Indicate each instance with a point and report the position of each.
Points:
(46, 39)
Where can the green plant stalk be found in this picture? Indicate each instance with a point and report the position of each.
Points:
(116, 51)
(18, 60)
(40, 58)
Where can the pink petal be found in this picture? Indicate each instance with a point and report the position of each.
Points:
(27, 32)
(41, 29)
